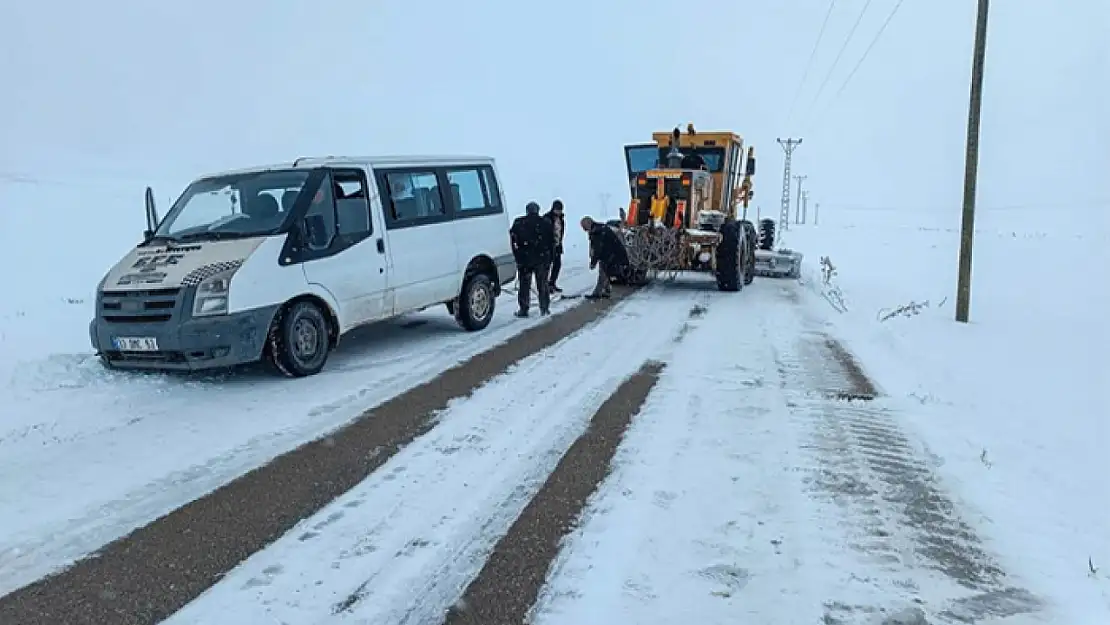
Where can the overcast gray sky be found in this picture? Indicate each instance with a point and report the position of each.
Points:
(553, 90)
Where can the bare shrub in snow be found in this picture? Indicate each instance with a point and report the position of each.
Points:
(983, 458)
(905, 310)
(829, 289)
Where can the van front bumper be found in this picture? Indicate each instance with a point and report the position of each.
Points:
(188, 345)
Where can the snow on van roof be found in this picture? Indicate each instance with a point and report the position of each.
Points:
(395, 160)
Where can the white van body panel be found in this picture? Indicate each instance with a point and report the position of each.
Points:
(426, 261)
(261, 282)
(173, 266)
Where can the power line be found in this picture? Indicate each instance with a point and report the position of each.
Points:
(809, 64)
(839, 54)
(863, 58)
(1077, 203)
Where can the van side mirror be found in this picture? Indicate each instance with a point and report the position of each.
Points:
(151, 214)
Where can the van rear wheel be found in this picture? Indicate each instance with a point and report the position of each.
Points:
(476, 303)
(299, 344)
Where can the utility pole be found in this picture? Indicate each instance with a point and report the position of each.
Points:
(971, 166)
(788, 147)
(805, 205)
(798, 202)
(816, 212)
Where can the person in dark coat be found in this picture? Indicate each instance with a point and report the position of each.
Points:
(607, 253)
(533, 244)
(558, 225)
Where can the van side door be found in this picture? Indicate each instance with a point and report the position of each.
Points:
(422, 250)
(343, 250)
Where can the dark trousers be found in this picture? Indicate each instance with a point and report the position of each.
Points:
(524, 276)
(603, 285)
(556, 266)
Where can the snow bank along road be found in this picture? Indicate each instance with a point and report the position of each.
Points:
(762, 477)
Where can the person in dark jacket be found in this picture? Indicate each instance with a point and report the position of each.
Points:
(607, 253)
(533, 245)
(558, 225)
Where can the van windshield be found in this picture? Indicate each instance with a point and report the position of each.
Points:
(234, 206)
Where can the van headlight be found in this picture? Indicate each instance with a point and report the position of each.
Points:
(211, 296)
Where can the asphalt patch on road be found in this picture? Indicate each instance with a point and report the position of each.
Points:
(510, 582)
(860, 387)
(877, 475)
(154, 571)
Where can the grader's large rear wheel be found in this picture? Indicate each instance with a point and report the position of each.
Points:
(766, 234)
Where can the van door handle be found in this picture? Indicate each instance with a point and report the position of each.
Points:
(381, 246)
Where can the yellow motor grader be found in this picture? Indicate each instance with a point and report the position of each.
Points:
(686, 189)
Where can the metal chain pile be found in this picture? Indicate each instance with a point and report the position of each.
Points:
(653, 249)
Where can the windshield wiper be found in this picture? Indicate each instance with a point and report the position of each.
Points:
(161, 238)
(214, 236)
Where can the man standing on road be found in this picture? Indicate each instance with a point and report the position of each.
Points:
(558, 226)
(607, 253)
(533, 244)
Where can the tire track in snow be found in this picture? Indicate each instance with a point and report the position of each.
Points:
(427, 521)
(892, 506)
(510, 581)
(147, 575)
(167, 411)
(703, 518)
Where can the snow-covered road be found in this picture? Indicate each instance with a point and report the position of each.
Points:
(751, 489)
(90, 455)
(766, 479)
(427, 519)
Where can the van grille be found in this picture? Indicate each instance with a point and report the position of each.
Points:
(148, 306)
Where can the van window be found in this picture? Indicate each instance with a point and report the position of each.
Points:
(352, 208)
(233, 205)
(414, 195)
(466, 190)
(489, 181)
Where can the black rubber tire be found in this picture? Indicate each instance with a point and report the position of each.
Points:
(299, 359)
(638, 278)
(752, 239)
(729, 257)
(472, 314)
(766, 234)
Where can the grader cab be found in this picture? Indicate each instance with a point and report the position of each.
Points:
(686, 192)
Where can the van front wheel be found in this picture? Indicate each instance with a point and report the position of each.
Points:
(476, 303)
(298, 344)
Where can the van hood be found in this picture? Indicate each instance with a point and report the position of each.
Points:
(173, 266)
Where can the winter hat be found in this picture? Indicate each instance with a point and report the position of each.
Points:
(532, 208)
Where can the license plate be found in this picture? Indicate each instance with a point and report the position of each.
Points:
(135, 343)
